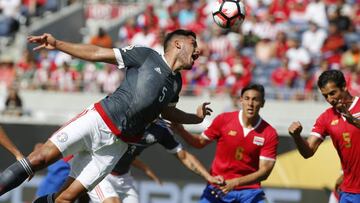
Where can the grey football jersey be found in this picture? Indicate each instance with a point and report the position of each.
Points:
(157, 132)
(148, 87)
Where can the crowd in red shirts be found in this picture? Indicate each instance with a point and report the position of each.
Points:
(282, 44)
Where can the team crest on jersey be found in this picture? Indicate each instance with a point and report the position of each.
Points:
(62, 137)
(258, 141)
(232, 133)
(335, 122)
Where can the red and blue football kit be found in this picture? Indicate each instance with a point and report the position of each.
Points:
(346, 140)
(238, 149)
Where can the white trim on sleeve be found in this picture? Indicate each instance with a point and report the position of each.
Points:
(204, 136)
(267, 158)
(119, 58)
(317, 135)
(176, 149)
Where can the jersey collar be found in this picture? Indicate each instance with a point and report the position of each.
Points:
(242, 122)
(163, 57)
(353, 103)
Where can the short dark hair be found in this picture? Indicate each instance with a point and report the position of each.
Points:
(334, 76)
(178, 32)
(256, 87)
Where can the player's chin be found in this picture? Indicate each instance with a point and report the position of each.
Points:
(189, 67)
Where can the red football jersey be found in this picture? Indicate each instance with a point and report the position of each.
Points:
(238, 153)
(346, 140)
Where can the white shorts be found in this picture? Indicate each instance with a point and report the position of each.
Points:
(95, 148)
(122, 187)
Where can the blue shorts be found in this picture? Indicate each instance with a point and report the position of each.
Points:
(212, 194)
(346, 197)
(56, 176)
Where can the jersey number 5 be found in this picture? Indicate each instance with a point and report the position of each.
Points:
(162, 96)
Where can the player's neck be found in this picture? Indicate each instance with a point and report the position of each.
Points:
(170, 60)
(250, 122)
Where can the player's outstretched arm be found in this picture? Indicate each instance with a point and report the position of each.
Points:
(147, 170)
(194, 140)
(83, 51)
(265, 168)
(9, 145)
(176, 115)
(307, 148)
(193, 164)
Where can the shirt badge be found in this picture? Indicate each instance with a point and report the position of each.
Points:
(232, 133)
(335, 122)
(258, 141)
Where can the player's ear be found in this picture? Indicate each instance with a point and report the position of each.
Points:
(263, 103)
(178, 44)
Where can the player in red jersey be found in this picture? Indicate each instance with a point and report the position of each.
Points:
(341, 122)
(245, 151)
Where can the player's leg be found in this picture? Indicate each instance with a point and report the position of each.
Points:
(90, 166)
(125, 187)
(18, 172)
(104, 192)
(67, 140)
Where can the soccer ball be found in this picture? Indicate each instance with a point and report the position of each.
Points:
(227, 13)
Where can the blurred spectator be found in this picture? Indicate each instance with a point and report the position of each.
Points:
(144, 38)
(109, 78)
(342, 22)
(13, 103)
(299, 57)
(187, 14)
(126, 32)
(333, 46)
(280, 45)
(148, 19)
(283, 79)
(316, 13)
(7, 70)
(9, 17)
(313, 39)
(280, 10)
(65, 78)
(102, 39)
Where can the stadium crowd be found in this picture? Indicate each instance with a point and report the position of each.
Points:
(282, 44)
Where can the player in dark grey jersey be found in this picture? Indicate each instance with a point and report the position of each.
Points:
(97, 136)
(119, 185)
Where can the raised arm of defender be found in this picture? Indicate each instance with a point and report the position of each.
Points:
(83, 51)
(307, 148)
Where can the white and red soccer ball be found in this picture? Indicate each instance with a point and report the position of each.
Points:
(227, 13)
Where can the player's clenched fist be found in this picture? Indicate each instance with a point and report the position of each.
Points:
(295, 128)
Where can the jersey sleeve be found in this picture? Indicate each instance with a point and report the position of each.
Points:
(213, 132)
(131, 56)
(269, 150)
(319, 128)
(165, 137)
